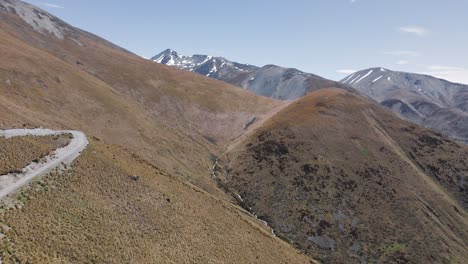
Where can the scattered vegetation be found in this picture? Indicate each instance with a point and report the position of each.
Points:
(17, 152)
(341, 186)
(394, 253)
(98, 212)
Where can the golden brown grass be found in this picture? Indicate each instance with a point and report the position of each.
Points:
(17, 152)
(96, 213)
(174, 119)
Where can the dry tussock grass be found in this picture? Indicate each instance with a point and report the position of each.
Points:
(17, 152)
(98, 213)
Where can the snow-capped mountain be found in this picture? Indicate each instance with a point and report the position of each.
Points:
(214, 67)
(423, 99)
(270, 80)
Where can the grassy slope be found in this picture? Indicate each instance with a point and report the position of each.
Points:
(345, 180)
(182, 99)
(16, 153)
(173, 118)
(176, 120)
(100, 214)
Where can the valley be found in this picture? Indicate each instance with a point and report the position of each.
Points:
(108, 157)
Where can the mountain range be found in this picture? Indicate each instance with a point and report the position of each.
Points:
(423, 99)
(181, 168)
(270, 80)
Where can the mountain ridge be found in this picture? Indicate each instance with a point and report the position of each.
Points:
(270, 80)
(426, 100)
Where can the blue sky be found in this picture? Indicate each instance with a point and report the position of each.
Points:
(327, 37)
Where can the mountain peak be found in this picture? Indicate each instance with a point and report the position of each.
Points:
(368, 75)
(168, 57)
(170, 52)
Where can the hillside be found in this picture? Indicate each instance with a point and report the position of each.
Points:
(158, 123)
(348, 182)
(175, 119)
(423, 99)
(270, 80)
(98, 212)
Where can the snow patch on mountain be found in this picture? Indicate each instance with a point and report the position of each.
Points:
(363, 77)
(348, 78)
(378, 78)
(355, 79)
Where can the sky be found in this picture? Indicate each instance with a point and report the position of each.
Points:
(331, 38)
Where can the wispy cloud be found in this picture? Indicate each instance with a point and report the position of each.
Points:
(346, 71)
(352, 1)
(52, 5)
(402, 53)
(443, 68)
(402, 62)
(450, 73)
(419, 31)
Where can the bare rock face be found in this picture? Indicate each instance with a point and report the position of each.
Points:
(40, 20)
(270, 80)
(425, 100)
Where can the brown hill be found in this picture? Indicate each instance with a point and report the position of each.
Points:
(348, 182)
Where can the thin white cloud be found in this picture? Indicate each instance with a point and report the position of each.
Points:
(443, 68)
(352, 1)
(419, 31)
(346, 71)
(52, 5)
(402, 62)
(450, 73)
(403, 53)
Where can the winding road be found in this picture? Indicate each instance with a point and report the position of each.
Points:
(9, 183)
